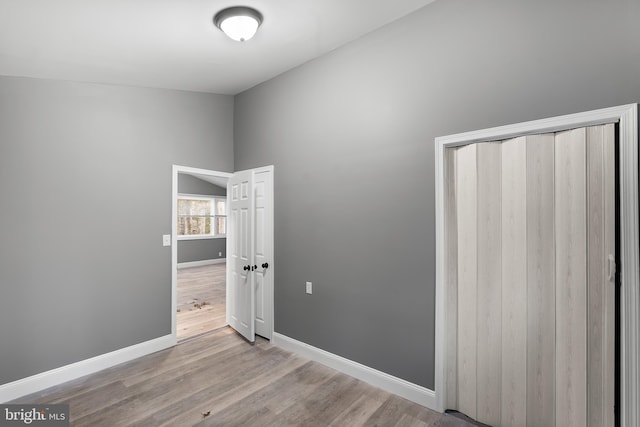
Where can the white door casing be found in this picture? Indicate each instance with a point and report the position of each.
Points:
(240, 243)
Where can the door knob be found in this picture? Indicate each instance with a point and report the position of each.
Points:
(255, 267)
(265, 265)
(246, 268)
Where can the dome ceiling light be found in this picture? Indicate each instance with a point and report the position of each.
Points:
(239, 23)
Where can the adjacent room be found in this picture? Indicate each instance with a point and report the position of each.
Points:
(192, 232)
(201, 246)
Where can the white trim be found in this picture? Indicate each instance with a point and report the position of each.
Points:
(201, 263)
(197, 171)
(44, 380)
(413, 392)
(177, 169)
(199, 196)
(549, 125)
(627, 117)
(201, 236)
(629, 275)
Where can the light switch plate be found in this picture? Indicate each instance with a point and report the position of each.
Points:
(309, 288)
(166, 240)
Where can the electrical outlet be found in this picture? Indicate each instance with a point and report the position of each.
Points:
(166, 240)
(309, 288)
(220, 254)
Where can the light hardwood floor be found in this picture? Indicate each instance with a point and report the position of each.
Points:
(201, 301)
(236, 384)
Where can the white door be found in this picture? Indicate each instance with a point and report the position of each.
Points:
(250, 245)
(240, 279)
(263, 249)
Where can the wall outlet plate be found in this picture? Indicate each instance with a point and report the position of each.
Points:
(309, 288)
(166, 240)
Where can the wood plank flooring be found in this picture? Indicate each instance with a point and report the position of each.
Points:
(201, 300)
(236, 384)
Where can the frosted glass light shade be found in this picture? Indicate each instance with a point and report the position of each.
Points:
(239, 23)
(239, 28)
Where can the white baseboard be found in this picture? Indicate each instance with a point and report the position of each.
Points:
(201, 263)
(44, 380)
(413, 392)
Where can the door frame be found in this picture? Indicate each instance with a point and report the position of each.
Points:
(627, 176)
(176, 170)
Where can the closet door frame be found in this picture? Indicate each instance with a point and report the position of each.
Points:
(626, 116)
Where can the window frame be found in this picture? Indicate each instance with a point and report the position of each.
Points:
(203, 197)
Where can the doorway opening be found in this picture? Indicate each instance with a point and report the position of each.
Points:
(222, 252)
(199, 251)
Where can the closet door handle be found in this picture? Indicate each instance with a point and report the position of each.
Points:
(246, 268)
(265, 265)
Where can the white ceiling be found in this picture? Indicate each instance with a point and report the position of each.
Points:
(173, 43)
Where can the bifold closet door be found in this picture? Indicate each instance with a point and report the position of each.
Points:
(514, 283)
(540, 280)
(532, 310)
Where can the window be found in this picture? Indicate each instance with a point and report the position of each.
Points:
(201, 216)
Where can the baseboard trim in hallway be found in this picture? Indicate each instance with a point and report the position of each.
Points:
(190, 264)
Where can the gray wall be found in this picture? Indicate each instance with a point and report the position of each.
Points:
(351, 137)
(203, 249)
(188, 184)
(82, 267)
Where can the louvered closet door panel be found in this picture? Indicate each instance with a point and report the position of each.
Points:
(541, 290)
(514, 283)
(600, 292)
(571, 267)
(466, 201)
(489, 321)
(595, 274)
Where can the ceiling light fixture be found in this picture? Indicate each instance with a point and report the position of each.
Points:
(240, 23)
